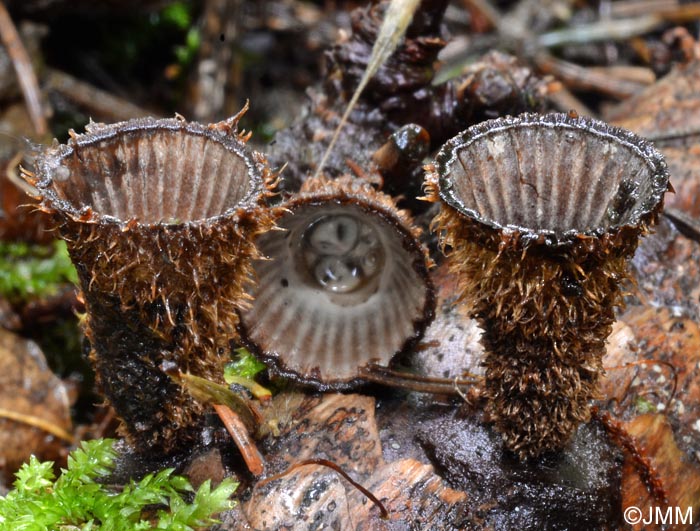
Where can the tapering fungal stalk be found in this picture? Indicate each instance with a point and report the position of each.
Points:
(539, 215)
(160, 218)
(346, 283)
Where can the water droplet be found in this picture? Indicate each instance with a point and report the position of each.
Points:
(334, 235)
(337, 275)
(61, 174)
(341, 253)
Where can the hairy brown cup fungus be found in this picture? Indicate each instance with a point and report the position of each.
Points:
(540, 214)
(159, 217)
(346, 284)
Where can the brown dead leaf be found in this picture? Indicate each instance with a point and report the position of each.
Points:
(19, 220)
(669, 111)
(662, 338)
(684, 166)
(29, 389)
(415, 497)
(670, 438)
(681, 478)
(309, 494)
(671, 104)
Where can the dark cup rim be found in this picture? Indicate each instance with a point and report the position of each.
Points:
(636, 144)
(52, 158)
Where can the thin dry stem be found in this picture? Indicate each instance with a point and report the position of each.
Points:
(251, 455)
(25, 72)
(37, 422)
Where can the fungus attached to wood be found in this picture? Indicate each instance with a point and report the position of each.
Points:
(160, 218)
(539, 215)
(346, 284)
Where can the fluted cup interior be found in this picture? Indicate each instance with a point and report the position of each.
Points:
(551, 173)
(342, 287)
(151, 171)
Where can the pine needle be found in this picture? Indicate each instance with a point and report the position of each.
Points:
(398, 16)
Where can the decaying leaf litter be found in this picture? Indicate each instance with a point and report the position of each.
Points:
(430, 459)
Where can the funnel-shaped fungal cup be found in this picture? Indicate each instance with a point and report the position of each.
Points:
(346, 284)
(540, 214)
(159, 217)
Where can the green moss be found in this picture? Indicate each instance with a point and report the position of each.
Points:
(644, 406)
(187, 52)
(78, 500)
(28, 271)
(245, 365)
(178, 14)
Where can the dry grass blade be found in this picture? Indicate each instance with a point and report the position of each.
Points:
(396, 20)
(670, 10)
(417, 383)
(585, 78)
(686, 224)
(99, 104)
(211, 392)
(600, 31)
(36, 422)
(23, 67)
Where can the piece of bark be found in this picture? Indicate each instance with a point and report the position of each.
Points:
(416, 498)
(451, 346)
(29, 388)
(343, 429)
(312, 495)
(340, 428)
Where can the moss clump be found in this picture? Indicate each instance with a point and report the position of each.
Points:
(28, 270)
(80, 499)
(244, 365)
